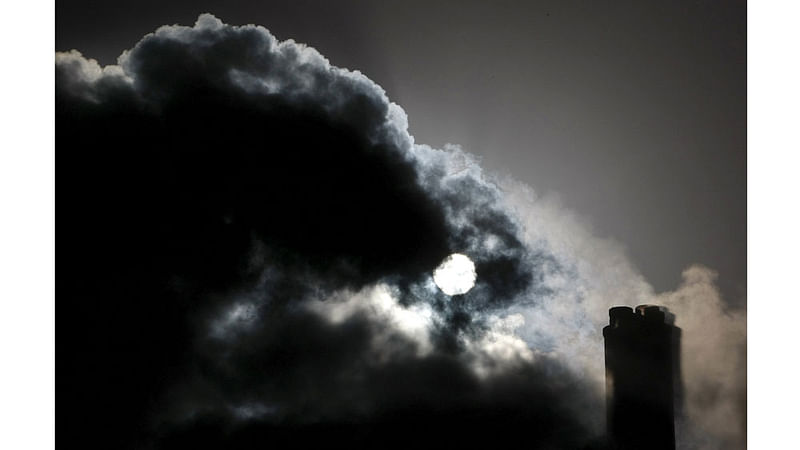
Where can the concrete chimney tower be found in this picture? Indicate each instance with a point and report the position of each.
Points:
(640, 363)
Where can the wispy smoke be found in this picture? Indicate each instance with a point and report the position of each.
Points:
(599, 275)
(280, 206)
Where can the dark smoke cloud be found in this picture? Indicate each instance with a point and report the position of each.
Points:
(248, 235)
(216, 164)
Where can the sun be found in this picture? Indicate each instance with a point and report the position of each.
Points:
(455, 275)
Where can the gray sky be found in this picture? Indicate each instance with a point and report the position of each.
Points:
(633, 113)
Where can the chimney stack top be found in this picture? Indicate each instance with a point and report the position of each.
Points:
(651, 313)
(618, 314)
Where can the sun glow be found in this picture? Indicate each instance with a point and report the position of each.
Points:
(455, 275)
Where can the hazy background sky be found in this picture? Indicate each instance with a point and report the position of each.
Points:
(633, 113)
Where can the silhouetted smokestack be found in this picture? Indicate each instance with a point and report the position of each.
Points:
(639, 379)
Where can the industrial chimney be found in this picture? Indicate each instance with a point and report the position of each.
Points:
(640, 368)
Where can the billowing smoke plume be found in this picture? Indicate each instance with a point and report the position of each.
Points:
(252, 233)
(712, 411)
